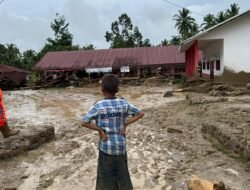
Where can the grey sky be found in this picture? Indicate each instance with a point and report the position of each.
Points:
(26, 23)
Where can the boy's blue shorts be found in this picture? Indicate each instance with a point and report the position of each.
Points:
(112, 172)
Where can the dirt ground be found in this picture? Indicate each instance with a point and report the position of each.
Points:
(165, 148)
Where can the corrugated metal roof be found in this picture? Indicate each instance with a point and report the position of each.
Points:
(13, 74)
(9, 69)
(110, 57)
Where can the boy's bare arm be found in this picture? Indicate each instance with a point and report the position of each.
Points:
(131, 120)
(134, 118)
(95, 128)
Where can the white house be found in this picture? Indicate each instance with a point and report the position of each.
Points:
(225, 50)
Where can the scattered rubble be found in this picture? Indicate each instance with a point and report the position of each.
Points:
(168, 94)
(62, 81)
(194, 100)
(174, 130)
(248, 86)
(200, 85)
(236, 141)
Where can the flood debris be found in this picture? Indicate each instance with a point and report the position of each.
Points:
(194, 99)
(248, 86)
(62, 79)
(168, 94)
(10, 188)
(71, 80)
(196, 183)
(174, 130)
(200, 85)
(236, 141)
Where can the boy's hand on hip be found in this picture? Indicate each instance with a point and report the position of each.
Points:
(103, 136)
(123, 131)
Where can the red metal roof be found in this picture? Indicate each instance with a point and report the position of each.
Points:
(110, 57)
(10, 69)
(12, 73)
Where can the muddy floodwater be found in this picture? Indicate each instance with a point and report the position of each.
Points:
(165, 148)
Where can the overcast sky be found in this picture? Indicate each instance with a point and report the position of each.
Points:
(26, 23)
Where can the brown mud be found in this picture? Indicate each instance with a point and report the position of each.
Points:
(165, 148)
(234, 77)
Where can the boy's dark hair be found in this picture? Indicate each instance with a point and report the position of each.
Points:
(110, 83)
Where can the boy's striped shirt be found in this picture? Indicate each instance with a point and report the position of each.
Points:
(110, 115)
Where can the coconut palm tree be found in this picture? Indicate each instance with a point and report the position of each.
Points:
(208, 21)
(164, 42)
(234, 10)
(194, 30)
(184, 23)
(222, 16)
(11, 56)
(176, 40)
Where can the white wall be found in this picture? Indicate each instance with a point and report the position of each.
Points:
(213, 52)
(236, 35)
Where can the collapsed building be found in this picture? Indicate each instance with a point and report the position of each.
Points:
(12, 77)
(124, 62)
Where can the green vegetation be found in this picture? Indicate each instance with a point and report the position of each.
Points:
(32, 79)
(185, 23)
(124, 35)
(181, 80)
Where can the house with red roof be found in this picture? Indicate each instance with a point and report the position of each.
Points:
(126, 61)
(11, 77)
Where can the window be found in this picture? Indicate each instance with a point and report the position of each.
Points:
(204, 65)
(208, 65)
(217, 65)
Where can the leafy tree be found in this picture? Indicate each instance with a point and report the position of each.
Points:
(164, 42)
(123, 34)
(184, 23)
(88, 47)
(29, 59)
(61, 32)
(10, 55)
(146, 43)
(234, 10)
(208, 21)
(137, 37)
(193, 30)
(63, 39)
(176, 40)
(2, 53)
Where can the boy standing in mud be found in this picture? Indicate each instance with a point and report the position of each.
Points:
(110, 116)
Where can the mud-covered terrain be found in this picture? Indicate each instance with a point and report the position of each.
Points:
(165, 148)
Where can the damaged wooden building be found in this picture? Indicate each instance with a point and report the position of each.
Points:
(125, 62)
(12, 77)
